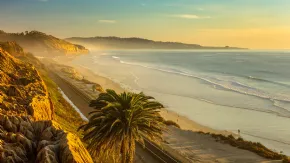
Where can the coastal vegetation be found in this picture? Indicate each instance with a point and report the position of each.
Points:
(255, 147)
(171, 123)
(119, 121)
(65, 114)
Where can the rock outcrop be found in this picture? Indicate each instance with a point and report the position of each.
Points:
(23, 140)
(28, 132)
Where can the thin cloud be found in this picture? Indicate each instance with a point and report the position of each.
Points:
(190, 16)
(107, 21)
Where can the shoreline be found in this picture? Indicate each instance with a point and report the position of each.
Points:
(188, 140)
(184, 122)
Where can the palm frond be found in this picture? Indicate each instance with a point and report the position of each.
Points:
(119, 121)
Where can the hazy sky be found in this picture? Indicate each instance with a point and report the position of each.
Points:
(259, 24)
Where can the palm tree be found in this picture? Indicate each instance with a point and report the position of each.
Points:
(121, 120)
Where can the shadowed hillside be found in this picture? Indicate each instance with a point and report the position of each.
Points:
(136, 43)
(41, 43)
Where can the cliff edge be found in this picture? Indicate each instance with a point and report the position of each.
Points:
(43, 44)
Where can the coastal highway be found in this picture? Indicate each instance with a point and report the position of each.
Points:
(151, 153)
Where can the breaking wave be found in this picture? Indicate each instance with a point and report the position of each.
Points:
(226, 84)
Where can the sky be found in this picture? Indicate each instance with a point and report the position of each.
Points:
(255, 24)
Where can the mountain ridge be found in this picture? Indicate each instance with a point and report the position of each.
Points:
(113, 42)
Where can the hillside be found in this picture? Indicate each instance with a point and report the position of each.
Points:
(43, 44)
(135, 43)
(31, 125)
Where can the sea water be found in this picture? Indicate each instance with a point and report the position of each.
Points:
(225, 90)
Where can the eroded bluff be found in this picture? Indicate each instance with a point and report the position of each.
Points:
(28, 132)
(22, 91)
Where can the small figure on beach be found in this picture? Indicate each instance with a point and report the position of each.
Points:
(239, 132)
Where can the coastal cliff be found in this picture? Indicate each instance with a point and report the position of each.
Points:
(29, 129)
(43, 44)
(22, 90)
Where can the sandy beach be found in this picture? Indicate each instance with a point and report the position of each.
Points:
(192, 145)
(184, 122)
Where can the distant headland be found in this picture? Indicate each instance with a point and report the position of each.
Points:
(43, 44)
(136, 43)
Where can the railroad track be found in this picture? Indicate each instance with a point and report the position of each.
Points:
(161, 155)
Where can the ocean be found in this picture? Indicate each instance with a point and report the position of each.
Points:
(225, 90)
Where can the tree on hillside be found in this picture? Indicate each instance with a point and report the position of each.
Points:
(119, 121)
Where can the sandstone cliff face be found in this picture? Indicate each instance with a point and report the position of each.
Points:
(22, 90)
(28, 132)
(41, 43)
